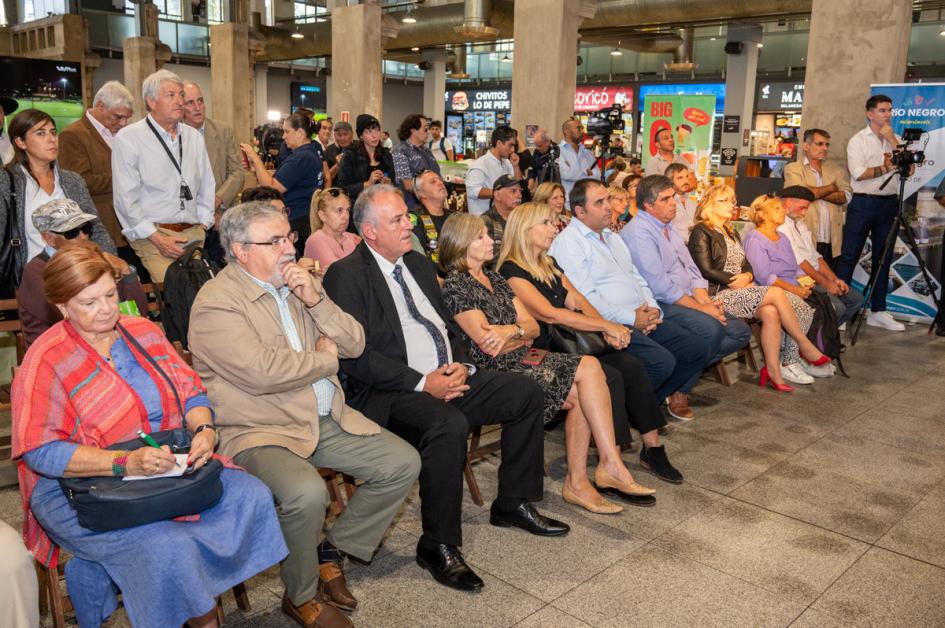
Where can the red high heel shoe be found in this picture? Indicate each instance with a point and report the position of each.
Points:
(819, 361)
(766, 379)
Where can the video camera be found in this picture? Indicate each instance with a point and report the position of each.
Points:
(603, 122)
(903, 158)
(269, 139)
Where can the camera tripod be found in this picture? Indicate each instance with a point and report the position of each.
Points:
(900, 226)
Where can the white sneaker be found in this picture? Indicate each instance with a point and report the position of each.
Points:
(824, 370)
(795, 374)
(842, 327)
(884, 320)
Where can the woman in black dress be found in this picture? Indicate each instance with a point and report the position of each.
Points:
(365, 162)
(500, 331)
(547, 294)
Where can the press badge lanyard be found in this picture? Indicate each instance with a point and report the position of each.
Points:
(185, 193)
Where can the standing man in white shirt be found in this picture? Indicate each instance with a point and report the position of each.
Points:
(7, 107)
(163, 182)
(575, 162)
(685, 206)
(440, 145)
(665, 153)
(500, 159)
(831, 188)
(872, 210)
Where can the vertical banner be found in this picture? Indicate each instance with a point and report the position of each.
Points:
(916, 106)
(690, 118)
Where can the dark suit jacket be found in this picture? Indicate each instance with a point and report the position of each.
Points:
(225, 161)
(355, 283)
(82, 150)
(709, 251)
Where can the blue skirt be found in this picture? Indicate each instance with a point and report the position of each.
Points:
(168, 571)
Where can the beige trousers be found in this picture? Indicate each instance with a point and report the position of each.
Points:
(153, 260)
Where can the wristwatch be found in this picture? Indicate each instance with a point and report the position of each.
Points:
(208, 426)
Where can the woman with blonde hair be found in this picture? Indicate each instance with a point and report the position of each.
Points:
(619, 207)
(717, 251)
(553, 195)
(500, 333)
(547, 294)
(329, 215)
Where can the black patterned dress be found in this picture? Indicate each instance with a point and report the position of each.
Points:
(463, 293)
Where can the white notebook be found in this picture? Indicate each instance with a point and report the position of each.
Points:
(175, 471)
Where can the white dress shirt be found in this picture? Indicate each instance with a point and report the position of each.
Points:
(421, 352)
(35, 197)
(482, 173)
(801, 240)
(657, 164)
(574, 164)
(866, 150)
(105, 133)
(685, 216)
(147, 186)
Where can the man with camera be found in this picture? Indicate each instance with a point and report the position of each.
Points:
(575, 162)
(872, 210)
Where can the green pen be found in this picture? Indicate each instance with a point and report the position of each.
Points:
(153, 443)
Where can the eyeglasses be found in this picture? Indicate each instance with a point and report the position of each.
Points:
(278, 241)
(72, 234)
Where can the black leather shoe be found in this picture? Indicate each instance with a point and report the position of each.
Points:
(654, 460)
(447, 566)
(525, 516)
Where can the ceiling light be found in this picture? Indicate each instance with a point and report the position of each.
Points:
(415, 49)
(409, 18)
(297, 34)
(712, 38)
(761, 45)
(505, 59)
(941, 33)
(616, 52)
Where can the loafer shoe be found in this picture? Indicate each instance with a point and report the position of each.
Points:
(312, 614)
(447, 566)
(526, 517)
(654, 460)
(335, 587)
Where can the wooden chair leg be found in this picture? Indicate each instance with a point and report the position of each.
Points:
(750, 360)
(43, 588)
(337, 504)
(473, 485)
(219, 609)
(722, 372)
(242, 598)
(349, 485)
(55, 597)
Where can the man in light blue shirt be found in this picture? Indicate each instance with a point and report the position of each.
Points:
(600, 266)
(575, 162)
(664, 260)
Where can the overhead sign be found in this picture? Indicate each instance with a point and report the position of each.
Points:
(690, 120)
(780, 96)
(479, 100)
(594, 97)
(679, 89)
(731, 124)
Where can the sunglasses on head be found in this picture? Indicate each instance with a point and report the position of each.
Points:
(72, 234)
(334, 192)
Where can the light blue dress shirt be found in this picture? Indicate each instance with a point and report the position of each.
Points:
(324, 389)
(662, 257)
(600, 267)
(573, 166)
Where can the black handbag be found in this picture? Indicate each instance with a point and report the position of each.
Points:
(111, 503)
(564, 339)
(11, 268)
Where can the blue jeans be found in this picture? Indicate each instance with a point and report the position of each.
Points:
(722, 340)
(873, 217)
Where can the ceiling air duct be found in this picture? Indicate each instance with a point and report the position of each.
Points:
(682, 56)
(459, 63)
(476, 20)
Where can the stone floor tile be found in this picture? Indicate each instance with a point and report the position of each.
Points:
(550, 616)
(921, 533)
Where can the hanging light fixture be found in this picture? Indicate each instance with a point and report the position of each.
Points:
(505, 59)
(409, 18)
(616, 52)
(941, 33)
(297, 34)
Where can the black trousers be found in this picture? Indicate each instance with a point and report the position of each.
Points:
(826, 251)
(439, 430)
(642, 407)
(303, 227)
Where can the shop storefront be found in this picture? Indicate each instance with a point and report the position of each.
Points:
(472, 115)
(776, 129)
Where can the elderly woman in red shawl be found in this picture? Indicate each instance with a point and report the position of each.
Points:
(86, 384)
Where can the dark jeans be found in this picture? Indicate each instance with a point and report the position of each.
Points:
(722, 339)
(872, 217)
(845, 305)
(439, 431)
(673, 356)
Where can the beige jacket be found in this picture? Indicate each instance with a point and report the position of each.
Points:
(261, 390)
(797, 173)
(225, 160)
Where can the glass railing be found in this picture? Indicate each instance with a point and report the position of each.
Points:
(108, 31)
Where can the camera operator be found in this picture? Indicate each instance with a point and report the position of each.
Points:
(575, 162)
(872, 210)
(544, 167)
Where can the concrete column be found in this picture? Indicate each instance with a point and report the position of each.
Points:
(740, 73)
(261, 94)
(434, 85)
(232, 78)
(544, 70)
(139, 61)
(356, 61)
(851, 45)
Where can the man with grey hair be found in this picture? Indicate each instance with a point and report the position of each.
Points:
(414, 379)
(85, 147)
(544, 166)
(266, 342)
(163, 181)
(428, 217)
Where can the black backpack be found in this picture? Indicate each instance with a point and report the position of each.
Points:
(824, 331)
(182, 281)
(11, 268)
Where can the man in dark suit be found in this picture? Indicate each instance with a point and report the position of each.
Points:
(410, 380)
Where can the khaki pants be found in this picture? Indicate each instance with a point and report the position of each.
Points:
(19, 595)
(153, 260)
(387, 465)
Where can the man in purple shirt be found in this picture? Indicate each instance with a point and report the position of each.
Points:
(663, 259)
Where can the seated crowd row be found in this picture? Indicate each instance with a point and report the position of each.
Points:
(376, 362)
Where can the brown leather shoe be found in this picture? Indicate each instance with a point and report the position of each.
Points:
(678, 406)
(335, 587)
(315, 615)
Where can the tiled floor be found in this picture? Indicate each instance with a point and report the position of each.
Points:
(825, 507)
